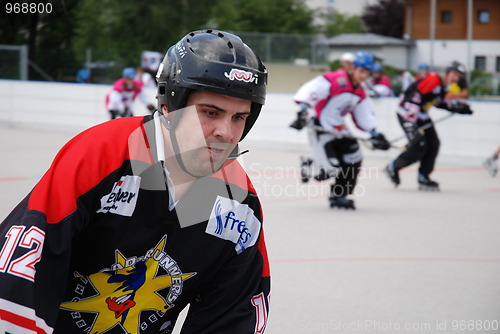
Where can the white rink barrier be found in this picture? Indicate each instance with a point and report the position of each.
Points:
(57, 106)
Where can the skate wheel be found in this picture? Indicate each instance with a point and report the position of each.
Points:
(430, 189)
(332, 206)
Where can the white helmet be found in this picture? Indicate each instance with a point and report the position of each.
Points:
(347, 57)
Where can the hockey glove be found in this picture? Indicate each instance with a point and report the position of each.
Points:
(378, 141)
(455, 107)
(463, 109)
(301, 120)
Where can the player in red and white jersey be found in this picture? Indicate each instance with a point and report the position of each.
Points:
(379, 85)
(337, 154)
(123, 94)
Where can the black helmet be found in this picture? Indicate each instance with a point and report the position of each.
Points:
(456, 66)
(214, 61)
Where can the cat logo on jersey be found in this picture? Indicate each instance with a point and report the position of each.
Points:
(118, 296)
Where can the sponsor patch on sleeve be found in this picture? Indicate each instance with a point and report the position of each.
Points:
(233, 221)
(123, 197)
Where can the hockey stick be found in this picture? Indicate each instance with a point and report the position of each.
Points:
(424, 127)
(365, 141)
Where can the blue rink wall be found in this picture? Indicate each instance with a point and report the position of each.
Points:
(79, 106)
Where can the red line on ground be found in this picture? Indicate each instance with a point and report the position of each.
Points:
(387, 259)
(14, 178)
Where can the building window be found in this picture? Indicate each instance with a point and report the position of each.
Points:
(480, 63)
(498, 64)
(483, 16)
(446, 16)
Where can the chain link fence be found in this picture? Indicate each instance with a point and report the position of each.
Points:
(286, 48)
(14, 62)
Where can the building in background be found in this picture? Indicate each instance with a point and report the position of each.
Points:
(392, 51)
(350, 7)
(463, 30)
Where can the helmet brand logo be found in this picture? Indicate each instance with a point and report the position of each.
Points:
(241, 75)
(181, 49)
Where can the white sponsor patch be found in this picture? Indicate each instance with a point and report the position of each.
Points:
(233, 221)
(123, 197)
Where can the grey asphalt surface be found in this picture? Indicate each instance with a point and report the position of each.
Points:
(404, 261)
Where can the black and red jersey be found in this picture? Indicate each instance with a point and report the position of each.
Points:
(97, 245)
(420, 96)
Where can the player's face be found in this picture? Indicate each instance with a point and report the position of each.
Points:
(348, 65)
(129, 82)
(209, 129)
(359, 75)
(452, 77)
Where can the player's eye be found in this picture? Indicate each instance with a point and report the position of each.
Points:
(210, 112)
(240, 117)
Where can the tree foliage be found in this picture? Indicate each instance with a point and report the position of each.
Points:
(119, 31)
(385, 18)
(337, 23)
(273, 16)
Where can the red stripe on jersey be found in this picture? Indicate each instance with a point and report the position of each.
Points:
(233, 173)
(266, 271)
(20, 321)
(83, 162)
(429, 83)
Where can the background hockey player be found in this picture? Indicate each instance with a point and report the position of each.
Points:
(491, 163)
(423, 70)
(138, 217)
(458, 90)
(405, 79)
(337, 155)
(123, 94)
(145, 77)
(346, 60)
(413, 115)
(379, 84)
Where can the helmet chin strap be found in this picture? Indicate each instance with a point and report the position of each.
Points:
(177, 153)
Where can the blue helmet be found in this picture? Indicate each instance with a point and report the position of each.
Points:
(364, 60)
(128, 73)
(424, 66)
(377, 68)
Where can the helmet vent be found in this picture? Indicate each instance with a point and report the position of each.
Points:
(230, 45)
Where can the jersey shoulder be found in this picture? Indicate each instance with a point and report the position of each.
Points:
(82, 163)
(430, 82)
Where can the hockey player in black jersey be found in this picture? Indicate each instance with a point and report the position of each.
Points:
(139, 217)
(413, 116)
